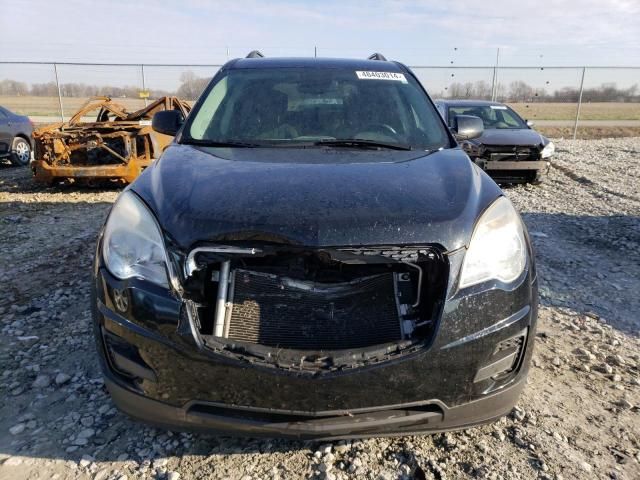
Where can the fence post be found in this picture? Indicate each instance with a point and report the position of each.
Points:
(494, 87)
(575, 125)
(144, 86)
(55, 71)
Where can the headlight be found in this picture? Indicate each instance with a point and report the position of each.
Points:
(132, 245)
(548, 150)
(497, 249)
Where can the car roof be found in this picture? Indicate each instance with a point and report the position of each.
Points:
(305, 62)
(467, 103)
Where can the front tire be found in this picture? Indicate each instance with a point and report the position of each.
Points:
(20, 152)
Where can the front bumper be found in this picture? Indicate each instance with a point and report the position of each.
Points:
(44, 172)
(176, 381)
(424, 417)
(524, 165)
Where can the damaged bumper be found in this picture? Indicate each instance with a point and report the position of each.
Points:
(467, 368)
(44, 172)
(526, 165)
(509, 163)
(506, 171)
(405, 419)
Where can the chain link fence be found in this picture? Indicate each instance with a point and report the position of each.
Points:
(564, 98)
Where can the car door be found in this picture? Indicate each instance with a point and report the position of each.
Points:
(6, 135)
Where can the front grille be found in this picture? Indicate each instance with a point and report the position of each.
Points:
(510, 152)
(280, 312)
(402, 254)
(503, 177)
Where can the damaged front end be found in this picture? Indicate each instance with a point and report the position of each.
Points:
(314, 310)
(509, 163)
(113, 145)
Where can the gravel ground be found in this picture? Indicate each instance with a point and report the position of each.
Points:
(579, 416)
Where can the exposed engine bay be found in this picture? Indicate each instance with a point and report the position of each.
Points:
(310, 308)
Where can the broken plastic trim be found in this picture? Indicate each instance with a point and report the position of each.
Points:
(316, 360)
(305, 361)
(301, 361)
(190, 265)
(419, 288)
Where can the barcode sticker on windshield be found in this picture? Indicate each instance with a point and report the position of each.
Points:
(368, 75)
(498, 107)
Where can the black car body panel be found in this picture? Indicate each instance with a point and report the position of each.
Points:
(372, 209)
(316, 197)
(508, 154)
(516, 137)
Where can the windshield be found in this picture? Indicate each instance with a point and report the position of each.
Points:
(311, 106)
(493, 116)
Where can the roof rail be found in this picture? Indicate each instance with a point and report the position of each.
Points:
(255, 54)
(377, 56)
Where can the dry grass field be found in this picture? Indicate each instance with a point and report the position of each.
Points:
(43, 106)
(588, 111)
(49, 106)
(589, 132)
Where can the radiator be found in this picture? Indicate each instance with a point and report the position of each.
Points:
(282, 312)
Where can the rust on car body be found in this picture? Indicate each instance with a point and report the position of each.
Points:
(114, 145)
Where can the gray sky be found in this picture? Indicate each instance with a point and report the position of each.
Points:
(463, 32)
(567, 32)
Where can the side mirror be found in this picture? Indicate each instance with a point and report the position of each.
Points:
(467, 127)
(167, 122)
(530, 123)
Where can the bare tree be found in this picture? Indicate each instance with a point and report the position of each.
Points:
(476, 90)
(482, 90)
(520, 91)
(191, 86)
(13, 87)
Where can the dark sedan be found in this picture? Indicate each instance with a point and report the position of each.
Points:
(314, 257)
(509, 149)
(16, 141)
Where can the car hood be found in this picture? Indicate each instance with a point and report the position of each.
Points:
(316, 197)
(524, 136)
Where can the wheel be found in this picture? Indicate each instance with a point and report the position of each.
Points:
(20, 152)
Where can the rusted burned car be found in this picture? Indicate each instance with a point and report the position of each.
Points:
(113, 145)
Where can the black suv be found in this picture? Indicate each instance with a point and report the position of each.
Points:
(314, 257)
(16, 141)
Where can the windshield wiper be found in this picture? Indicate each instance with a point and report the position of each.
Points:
(212, 143)
(361, 143)
(330, 142)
